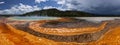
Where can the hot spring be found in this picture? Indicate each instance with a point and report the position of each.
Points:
(33, 18)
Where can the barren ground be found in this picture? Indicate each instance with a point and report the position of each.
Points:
(77, 32)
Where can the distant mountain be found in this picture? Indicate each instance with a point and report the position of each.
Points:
(58, 13)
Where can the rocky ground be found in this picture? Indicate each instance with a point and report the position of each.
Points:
(75, 32)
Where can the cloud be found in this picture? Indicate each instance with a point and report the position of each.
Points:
(2, 2)
(48, 7)
(19, 9)
(39, 1)
(51, 7)
(60, 1)
(92, 6)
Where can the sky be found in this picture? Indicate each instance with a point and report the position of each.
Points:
(90, 6)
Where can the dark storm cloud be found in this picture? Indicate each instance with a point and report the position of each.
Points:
(94, 6)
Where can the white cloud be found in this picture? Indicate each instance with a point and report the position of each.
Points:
(39, 1)
(48, 7)
(51, 7)
(60, 1)
(19, 9)
(95, 6)
(2, 2)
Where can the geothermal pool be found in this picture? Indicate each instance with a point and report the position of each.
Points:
(36, 18)
(33, 18)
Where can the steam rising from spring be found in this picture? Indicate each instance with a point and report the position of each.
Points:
(98, 19)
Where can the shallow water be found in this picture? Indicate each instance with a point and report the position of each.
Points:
(33, 18)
